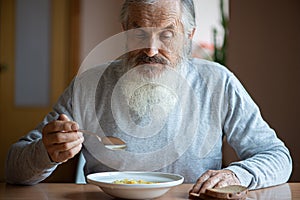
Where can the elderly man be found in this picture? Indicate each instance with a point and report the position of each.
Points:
(173, 111)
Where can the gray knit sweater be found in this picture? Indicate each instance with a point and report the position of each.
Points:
(212, 104)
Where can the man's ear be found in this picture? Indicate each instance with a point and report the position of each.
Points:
(191, 34)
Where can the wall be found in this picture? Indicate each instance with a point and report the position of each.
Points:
(208, 17)
(99, 20)
(264, 50)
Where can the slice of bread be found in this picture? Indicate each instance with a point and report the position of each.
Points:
(228, 192)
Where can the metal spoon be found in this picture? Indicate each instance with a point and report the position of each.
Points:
(109, 142)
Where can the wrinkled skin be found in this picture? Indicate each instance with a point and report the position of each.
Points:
(61, 139)
(155, 31)
(215, 179)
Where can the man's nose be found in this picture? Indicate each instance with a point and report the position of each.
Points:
(152, 48)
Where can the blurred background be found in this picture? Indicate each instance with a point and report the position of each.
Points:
(43, 42)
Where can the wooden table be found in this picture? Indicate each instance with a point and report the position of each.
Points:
(59, 191)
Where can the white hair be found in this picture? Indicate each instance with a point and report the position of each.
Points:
(188, 19)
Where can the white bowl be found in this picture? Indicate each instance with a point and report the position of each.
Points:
(162, 183)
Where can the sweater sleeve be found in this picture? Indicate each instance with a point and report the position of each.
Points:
(265, 160)
(28, 162)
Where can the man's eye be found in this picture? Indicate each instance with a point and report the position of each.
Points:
(140, 34)
(166, 35)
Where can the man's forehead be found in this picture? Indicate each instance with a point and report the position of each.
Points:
(159, 5)
(141, 14)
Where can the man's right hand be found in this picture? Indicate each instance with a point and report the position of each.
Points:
(62, 139)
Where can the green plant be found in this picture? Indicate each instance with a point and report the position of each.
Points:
(220, 52)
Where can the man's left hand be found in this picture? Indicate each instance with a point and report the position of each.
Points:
(215, 179)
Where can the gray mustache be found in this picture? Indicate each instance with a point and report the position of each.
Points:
(144, 59)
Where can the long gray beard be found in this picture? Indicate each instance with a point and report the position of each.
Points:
(146, 88)
(145, 95)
